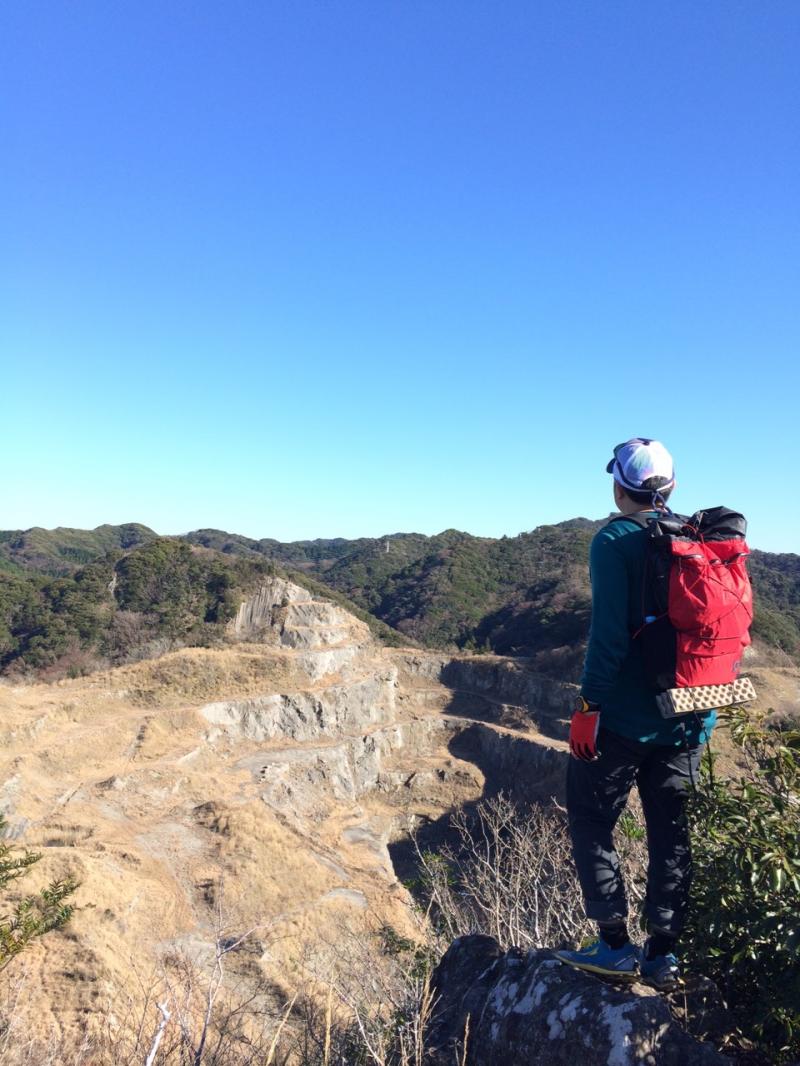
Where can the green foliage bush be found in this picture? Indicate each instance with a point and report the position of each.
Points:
(526, 595)
(34, 915)
(177, 585)
(515, 595)
(744, 929)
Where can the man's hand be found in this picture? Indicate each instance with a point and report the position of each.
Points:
(583, 730)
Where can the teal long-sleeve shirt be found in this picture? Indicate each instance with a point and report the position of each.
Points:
(613, 672)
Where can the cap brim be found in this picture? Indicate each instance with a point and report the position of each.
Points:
(610, 467)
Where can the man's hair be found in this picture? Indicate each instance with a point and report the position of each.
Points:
(643, 498)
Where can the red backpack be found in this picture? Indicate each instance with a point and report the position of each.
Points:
(697, 608)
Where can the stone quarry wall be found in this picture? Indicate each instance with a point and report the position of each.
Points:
(307, 715)
(296, 767)
(521, 766)
(287, 614)
(504, 680)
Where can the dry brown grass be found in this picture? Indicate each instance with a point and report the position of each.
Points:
(195, 675)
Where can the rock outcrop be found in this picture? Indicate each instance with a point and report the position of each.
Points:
(286, 614)
(516, 1009)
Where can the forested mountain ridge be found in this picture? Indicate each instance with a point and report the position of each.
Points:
(69, 597)
(135, 604)
(62, 551)
(527, 594)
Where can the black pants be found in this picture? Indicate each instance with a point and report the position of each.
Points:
(596, 796)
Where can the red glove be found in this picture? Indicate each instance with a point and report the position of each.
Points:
(583, 731)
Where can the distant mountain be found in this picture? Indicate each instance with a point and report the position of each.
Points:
(62, 550)
(475, 592)
(134, 603)
(525, 595)
(320, 554)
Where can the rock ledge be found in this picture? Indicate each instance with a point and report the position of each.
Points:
(525, 1008)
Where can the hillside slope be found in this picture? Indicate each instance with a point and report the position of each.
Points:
(263, 790)
(252, 787)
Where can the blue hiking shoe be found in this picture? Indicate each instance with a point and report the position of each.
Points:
(663, 972)
(621, 963)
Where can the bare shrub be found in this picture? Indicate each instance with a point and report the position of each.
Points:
(564, 662)
(368, 1000)
(205, 1004)
(630, 840)
(128, 632)
(74, 662)
(155, 648)
(509, 875)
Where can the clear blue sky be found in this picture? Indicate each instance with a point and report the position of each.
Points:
(337, 268)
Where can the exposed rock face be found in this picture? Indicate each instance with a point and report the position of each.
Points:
(302, 780)
(511, 761)
(505, 682)
(290, 765)
(513, 723)
(359, 705)
(525, 1009)
(290, 616)
(302, 716)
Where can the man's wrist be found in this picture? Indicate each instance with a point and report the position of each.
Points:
(584, 706)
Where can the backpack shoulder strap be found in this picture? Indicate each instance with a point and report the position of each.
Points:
(639, 519)
(667, 524)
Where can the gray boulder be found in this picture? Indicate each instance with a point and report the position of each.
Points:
(519, 1009)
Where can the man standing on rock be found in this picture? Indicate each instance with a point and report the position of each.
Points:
(618, 737)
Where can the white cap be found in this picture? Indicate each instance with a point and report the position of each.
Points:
(642, 465)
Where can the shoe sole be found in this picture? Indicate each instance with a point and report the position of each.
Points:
(618, 975)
